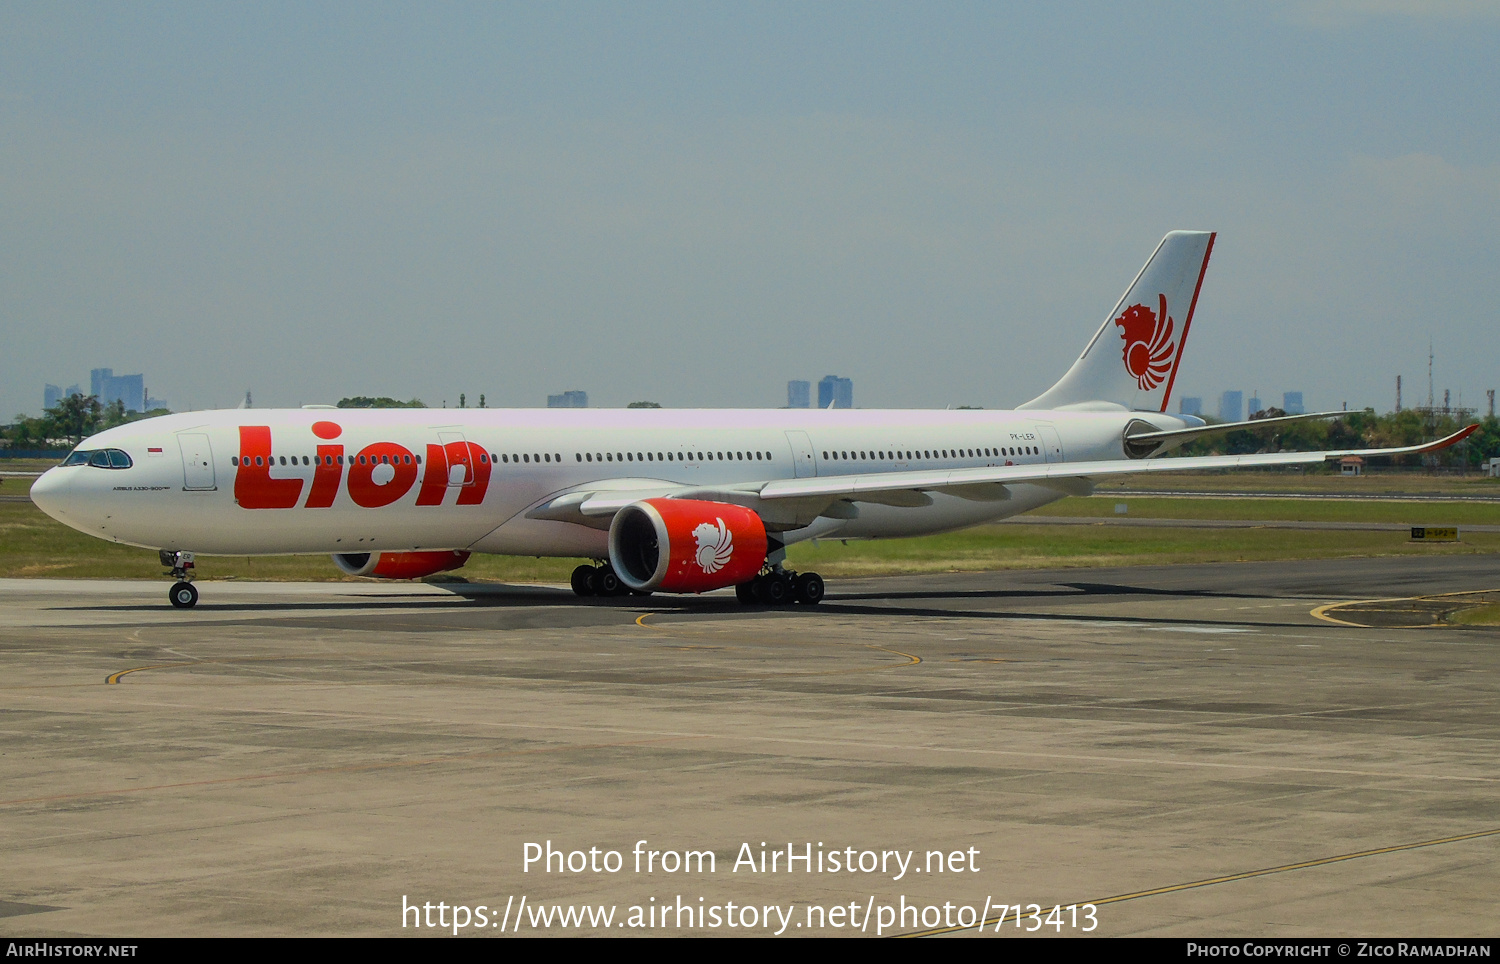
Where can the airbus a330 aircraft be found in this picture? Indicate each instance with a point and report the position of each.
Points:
(681, 501)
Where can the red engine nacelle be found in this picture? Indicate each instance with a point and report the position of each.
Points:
(682, 545)
(399, 565)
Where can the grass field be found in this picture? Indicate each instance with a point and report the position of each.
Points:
(32, 545)
(1482, 616)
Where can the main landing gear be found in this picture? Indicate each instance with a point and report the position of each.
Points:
(781, 587)
(601, 580)
(184, 595)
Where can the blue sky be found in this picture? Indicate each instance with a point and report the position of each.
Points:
(693, 203)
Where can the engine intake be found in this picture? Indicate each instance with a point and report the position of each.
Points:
(399, 565)
(684, 545)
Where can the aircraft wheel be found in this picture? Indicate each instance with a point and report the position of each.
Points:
(772, 589)
(809, 588)
(583, 581)
(184, 595)
(745, 593)
(606, 583)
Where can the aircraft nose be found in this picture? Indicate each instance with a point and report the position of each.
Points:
(49, 493)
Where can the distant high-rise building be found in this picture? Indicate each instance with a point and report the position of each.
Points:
(798, 394)
(1232, 407)
(129, 390)
(573, 399)
(835, 391)
(1254, 406)
(1291, 403)
(51, 395)
(1190, 405)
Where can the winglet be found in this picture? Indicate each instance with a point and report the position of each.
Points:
(1453, 439)
(1433, 446)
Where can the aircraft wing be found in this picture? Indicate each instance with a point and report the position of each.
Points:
(1067, 473)
(792, 503)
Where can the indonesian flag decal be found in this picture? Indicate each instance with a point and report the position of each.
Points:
(1149, 346)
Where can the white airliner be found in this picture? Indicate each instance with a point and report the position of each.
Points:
(663, 500)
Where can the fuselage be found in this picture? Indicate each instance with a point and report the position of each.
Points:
(350, 480)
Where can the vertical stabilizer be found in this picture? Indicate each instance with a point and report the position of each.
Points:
(1132, 360)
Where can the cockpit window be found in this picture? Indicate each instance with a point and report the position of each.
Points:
(99, 458)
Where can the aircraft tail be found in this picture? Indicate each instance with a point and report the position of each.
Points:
(1133, 357)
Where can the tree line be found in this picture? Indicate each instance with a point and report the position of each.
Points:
(70, 421)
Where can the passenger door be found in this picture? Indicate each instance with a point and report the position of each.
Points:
(197, 462)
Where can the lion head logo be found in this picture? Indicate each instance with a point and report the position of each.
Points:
(1148, 343)
(715, 546)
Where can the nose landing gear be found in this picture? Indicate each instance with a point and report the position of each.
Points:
(183, 595)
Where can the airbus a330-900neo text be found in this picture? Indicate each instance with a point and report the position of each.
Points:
(681, 501)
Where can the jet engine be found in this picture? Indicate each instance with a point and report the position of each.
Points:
(399, 565)
(683, 545)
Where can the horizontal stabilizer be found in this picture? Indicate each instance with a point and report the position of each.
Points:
(1187, 434)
